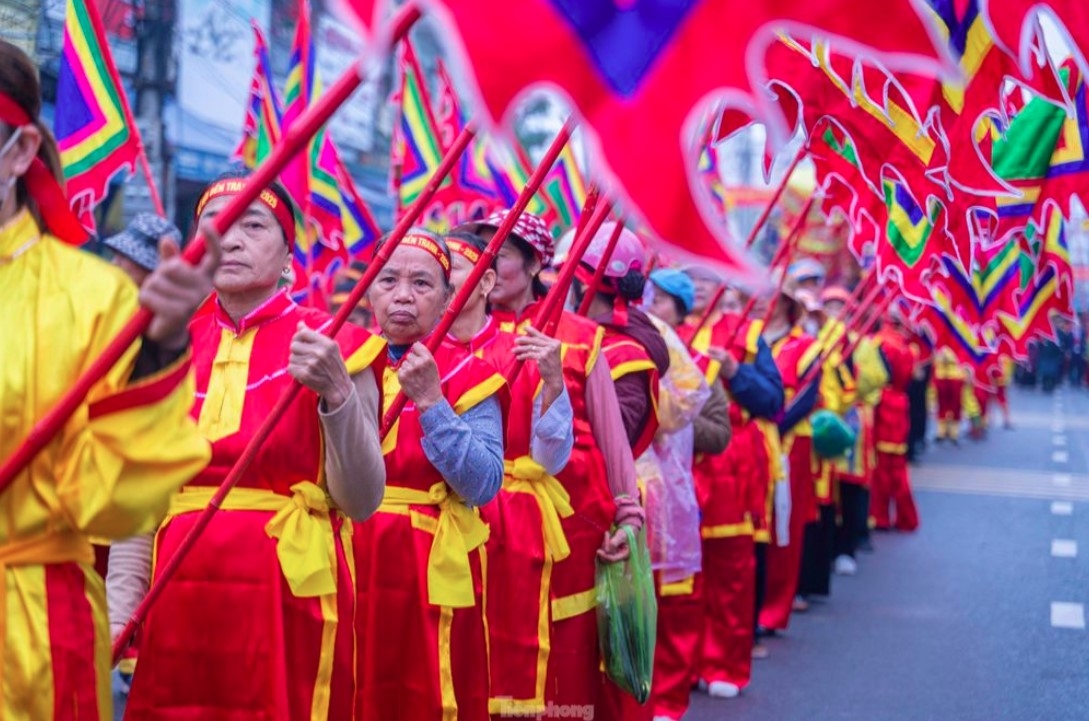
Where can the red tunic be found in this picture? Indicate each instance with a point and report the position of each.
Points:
(519, 557)
(229, 635)
(573, 669)
(731, 486)
(422, 650)
(892, 416)
(627, 356)
(794, 354)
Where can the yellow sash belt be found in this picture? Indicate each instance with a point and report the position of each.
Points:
(302, 527)
(526, 475)
(63, 547)
(459, 530)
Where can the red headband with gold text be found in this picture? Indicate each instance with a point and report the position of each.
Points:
(280, 209)
(433, 249)
(465, 250)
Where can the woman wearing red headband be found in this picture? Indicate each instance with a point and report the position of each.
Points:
(527, 536)
(420, 560)
(600, 476)
(259, 618)
(112, 470)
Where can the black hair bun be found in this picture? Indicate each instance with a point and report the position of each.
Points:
(630, 287)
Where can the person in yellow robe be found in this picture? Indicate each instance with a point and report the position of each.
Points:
(111, 470)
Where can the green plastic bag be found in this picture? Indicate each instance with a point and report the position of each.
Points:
(627, 618)
(832, 437)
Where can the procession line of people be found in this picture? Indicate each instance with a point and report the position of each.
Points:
(446, 570)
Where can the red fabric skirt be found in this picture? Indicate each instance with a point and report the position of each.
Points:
(729, 593)
(677, 653)
(414, 657)
(784, 562)
(517, 607)
(228, 640)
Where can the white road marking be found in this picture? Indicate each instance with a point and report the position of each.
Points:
(1060, 457)
(1059, 441)
(1058, 427)
(1064, 548)
(1062, 508)
(1067, 615)
(1061, 479)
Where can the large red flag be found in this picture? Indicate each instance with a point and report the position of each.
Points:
(642, 73)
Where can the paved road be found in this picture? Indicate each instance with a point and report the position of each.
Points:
(955, 622)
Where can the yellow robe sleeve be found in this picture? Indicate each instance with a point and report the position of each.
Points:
(870, 371)
(112, 469)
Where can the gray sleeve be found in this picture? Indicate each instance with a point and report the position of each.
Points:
(355, 470)
(553, 433)
(467, 449)
(127, 578)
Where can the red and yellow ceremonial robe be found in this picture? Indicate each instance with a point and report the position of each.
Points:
(420, 563)
(574, 671)
(892, 424)
(526, 538)
(108, 474)
(257, 620)
(731, 488)
(794, 355)
(949, 384)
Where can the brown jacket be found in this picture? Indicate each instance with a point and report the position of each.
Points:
(712, 425)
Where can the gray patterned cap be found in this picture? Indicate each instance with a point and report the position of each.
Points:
(139, 242)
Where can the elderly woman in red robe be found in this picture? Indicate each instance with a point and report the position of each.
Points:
(258, 619)
(600, 476)
(419, 560)
(527, 537)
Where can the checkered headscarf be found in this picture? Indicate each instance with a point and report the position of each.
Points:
(529, 228)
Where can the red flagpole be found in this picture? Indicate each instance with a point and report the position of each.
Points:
(775, 197)
(858, 319)
(273, 418)
(551, 310)
(707, 313)
(783, 253)
(599, 272)
(299, 134)
(454, 309)
(813, 374)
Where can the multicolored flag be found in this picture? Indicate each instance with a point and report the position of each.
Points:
(93, 125)
(640, 77)
(913, 241)
(319, 180)
(261, 130)
(510, 169)
(1045, 293)
(417, 145)
(566, 187)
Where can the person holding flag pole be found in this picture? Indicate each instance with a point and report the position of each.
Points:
(442, 430)
(527, 537)
(891, 482)
(112, 473)
(277, 606)
(421, 647)
(732, 487)
(600, 476)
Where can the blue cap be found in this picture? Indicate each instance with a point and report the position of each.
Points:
(677, 284)
(806, 269)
